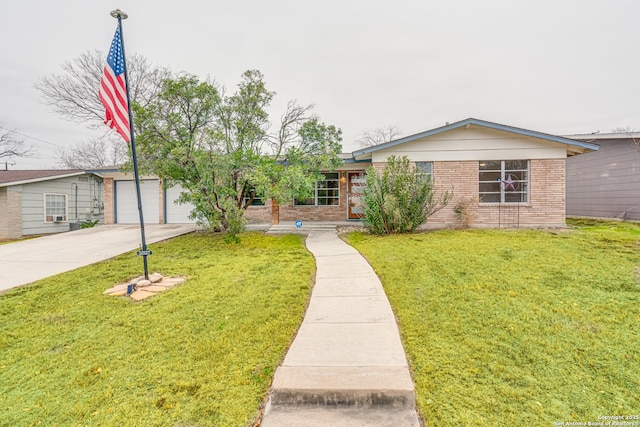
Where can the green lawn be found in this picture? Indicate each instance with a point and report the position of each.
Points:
(526, 328)
(202, 354)
(500, 327)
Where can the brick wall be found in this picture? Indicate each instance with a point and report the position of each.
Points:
(289, 212)
(259, 213)
(108, 201)
(4, 214)
(461, 179)
(546, 207)
(10, 213)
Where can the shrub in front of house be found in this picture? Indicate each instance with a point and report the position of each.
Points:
(400, 199)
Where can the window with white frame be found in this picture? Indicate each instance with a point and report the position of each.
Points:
(55, 208)
(504, 181)
(326, 193)
(426, 168)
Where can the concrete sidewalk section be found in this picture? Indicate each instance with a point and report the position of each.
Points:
(30, 260)
(346, 366)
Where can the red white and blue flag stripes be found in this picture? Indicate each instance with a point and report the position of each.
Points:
(113, 90)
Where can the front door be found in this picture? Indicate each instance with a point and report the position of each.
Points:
(355, 183)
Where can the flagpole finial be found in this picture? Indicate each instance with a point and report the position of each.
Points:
(119, 14)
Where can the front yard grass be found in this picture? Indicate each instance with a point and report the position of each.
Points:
(516, 327)
(202, 354)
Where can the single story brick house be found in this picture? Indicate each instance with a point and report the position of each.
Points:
(47, 201)
(605, 183)
(504, 176)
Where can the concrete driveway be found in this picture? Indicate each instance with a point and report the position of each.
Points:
(30, 260)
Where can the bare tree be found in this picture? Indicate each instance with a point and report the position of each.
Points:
(12, 146)
(632, 134)
(96, 153)
(377, 136)
(73, 94)
(291, 121)
(620, 129)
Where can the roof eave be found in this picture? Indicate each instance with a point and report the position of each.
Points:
(471, 121)
(40, 179)
(588, 137)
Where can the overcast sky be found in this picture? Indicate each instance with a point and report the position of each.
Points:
(555, 66)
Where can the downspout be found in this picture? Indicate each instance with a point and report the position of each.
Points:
(75, 201)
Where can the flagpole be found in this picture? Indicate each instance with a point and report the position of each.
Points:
(120, 15)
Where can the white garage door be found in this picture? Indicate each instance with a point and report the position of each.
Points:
(127, 202)
(176, 213)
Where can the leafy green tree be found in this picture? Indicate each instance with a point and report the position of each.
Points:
(400, 199)
(219, 147)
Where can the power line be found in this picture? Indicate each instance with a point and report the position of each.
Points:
(32, 137)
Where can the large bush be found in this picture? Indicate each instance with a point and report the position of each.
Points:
(400, 199)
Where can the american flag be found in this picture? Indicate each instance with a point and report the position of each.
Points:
(113, 90)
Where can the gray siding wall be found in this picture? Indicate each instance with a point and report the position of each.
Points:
(605, 183)
(87, 206)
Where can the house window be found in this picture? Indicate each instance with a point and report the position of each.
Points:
(55, 208)
(326, 193)
(426, 168)
(504, 181)
(257, 201)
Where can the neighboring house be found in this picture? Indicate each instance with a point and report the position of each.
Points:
(606, 183)
(505, 176)
(47, 201)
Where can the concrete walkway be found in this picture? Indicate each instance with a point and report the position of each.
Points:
(30, 260)
(346, 366)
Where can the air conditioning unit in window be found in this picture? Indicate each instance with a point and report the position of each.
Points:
(58, 218)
